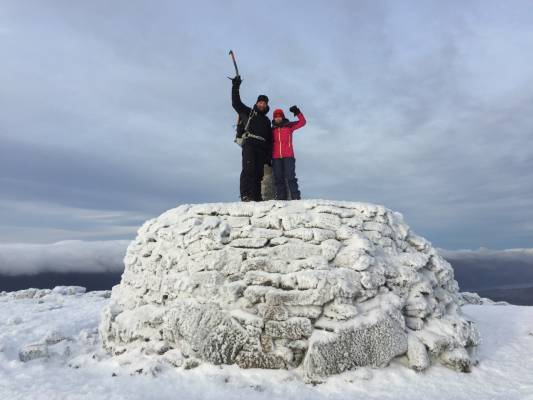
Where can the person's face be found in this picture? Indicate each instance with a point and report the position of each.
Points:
(261, 105)
(278, 120)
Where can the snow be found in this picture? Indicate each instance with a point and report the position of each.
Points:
(77, 368)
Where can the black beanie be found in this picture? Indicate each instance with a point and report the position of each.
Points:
(262, 97)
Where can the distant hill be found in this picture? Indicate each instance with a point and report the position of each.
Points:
(504, 275)
(91, 281)
(481, 274)
(520, 296)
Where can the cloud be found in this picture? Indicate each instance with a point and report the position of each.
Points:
(45, 222)
(494, 256)
(65, 256)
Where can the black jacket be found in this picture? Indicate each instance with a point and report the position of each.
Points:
(259, 124)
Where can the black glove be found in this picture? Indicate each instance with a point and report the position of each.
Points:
(295, 110)
(268, 162)
(236, 81)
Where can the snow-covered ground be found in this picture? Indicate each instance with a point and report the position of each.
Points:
(77, 368)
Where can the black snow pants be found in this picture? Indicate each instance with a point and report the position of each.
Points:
(253, 160)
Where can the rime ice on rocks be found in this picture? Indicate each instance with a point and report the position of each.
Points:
(323, 286)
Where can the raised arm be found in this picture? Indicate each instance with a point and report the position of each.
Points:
(236, 102)
(301, 119)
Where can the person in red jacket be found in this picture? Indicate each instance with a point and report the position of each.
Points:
(283, 161)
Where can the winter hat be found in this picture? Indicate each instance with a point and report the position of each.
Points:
(262, 97)
(279, 113)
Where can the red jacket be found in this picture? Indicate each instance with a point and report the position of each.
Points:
(282, 137)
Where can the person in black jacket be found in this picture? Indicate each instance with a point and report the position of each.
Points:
(257, 142)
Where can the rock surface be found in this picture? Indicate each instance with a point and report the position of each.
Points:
(325, 286)
(33, 352)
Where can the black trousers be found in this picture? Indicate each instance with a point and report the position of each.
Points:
(253, 160)
(285, 173)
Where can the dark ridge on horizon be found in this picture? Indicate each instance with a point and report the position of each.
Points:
(485, 274)
(48, 280)
(518, 296)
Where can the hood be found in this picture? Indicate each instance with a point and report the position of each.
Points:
(267, 109)
(284, 122)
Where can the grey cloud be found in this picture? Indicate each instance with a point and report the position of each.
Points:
(83, 179)
(46, 222)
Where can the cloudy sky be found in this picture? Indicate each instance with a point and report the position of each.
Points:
(113, 112)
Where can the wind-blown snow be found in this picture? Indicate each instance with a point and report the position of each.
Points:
(78, 369)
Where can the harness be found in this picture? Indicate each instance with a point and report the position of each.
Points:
(247, 134)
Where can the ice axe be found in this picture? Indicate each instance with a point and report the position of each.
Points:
(232, 55)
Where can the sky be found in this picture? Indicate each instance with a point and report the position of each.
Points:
(113, 112)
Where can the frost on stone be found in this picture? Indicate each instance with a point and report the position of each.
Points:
(69, 290)
(31, 293)
(322, 286)
(371, 340)
(33, 352)
(474, 298)
(54, 337)
(417, 355)
(457, 359)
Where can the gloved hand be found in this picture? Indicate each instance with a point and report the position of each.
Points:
(237, 80)
(295, 110)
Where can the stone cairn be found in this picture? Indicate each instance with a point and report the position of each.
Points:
(268, 189)
(322, 286)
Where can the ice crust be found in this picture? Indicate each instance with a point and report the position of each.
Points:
(322, 286)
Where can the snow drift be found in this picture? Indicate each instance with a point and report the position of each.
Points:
(323, 286)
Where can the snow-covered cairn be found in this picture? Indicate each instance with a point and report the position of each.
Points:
(325, 286)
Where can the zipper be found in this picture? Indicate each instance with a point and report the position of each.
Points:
(279, 139)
